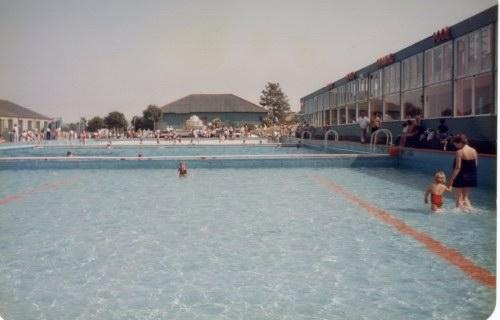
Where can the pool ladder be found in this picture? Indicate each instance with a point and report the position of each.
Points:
(374, 136)
(336, 135)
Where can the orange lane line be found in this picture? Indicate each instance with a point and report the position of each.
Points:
(450, 255)
(42, 188)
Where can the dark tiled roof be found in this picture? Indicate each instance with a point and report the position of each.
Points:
(211, 103)
(10, 109)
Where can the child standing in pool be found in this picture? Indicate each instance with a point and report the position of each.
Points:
(436, 191)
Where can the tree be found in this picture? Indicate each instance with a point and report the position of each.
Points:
(152, 114)
(115, 120)
(276, 103)
(73, 126)
(137, 122)
(95, 124)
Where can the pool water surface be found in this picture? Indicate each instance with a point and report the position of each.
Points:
(151, 151)
(235, 244)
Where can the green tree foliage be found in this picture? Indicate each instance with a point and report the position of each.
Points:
(151, 115)
(115, 120)
(276, 103)
(95, 124)
(138, 122)
(83, 123)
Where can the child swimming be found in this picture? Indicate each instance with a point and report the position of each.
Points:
(182, 169)
(436, 191)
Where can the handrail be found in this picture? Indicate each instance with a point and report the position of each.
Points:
(374, 136)
(304, 132)
(335, 133)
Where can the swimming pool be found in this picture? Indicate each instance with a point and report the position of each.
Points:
(168, 150)
(249, 243)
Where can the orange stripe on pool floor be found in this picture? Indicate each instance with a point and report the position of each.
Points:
(450, 255)
(42, 188)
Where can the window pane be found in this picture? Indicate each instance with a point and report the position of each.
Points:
(486, 54)
(437, 67)
(375, 84)
(428, 67)
(363, 109)
(391, 78)
(341, 96)
(460, 45)
(351, 113)
(334, 116)
(412, 103)
(350, 92)
(405, 82)
(392, 110)
(483, 94)
(376, 107)
(473, 65)
(447, 61)
(463, 94)
(342, 116)
(333, 100)
(416, 69)
(438, 101)
(362, 89)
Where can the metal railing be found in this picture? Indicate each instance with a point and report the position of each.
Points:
(336, 135)
(374, 136)
(303, 134)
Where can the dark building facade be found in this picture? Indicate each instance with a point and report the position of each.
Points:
(226, 107)
(449, 75)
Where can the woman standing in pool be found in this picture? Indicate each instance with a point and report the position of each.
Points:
(464, 174)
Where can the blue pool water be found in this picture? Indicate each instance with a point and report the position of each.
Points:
(151, 151)
(234, 244)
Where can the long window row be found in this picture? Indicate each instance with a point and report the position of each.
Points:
(455, 78)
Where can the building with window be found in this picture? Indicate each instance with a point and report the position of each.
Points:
(13, 114)
(451, 74)
(228, 108)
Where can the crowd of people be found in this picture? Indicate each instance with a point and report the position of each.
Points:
(416, 135)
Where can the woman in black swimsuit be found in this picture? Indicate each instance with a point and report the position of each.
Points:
(465, 171)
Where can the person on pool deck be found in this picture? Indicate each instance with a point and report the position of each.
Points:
(464, 174)
(182, 171)
(375, 122)
(436, 191)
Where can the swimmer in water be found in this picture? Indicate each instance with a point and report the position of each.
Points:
(69, 154)
(436, 191)
(182, 171)
(139, 155)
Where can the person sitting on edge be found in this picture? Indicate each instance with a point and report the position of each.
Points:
(436, 190)
(182, 169)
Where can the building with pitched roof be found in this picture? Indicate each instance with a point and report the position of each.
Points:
(228, 108)
(24, 118)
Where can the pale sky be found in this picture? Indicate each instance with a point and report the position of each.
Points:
(86, 58)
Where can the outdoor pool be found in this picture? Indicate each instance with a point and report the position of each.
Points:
(240, 243)
(168, 150)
